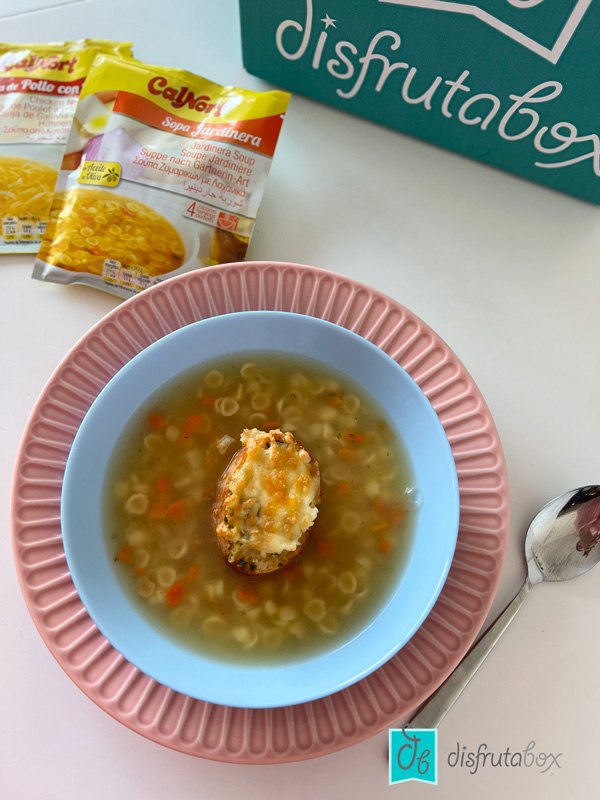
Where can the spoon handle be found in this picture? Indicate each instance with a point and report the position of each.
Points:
(435, 709)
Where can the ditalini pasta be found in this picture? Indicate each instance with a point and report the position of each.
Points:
(163, 173)
(39, 87)
(165, 476)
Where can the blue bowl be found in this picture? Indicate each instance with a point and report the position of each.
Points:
(419, 581)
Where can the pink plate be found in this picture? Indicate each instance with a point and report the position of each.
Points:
(386, 697)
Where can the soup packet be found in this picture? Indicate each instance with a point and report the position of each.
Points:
(39, 87)
(163, 173)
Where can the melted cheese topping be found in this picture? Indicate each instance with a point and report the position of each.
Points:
(272, 495)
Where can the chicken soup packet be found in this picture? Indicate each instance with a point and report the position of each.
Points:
(163, 173)
(39, 87)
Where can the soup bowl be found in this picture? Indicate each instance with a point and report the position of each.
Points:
(416, 585)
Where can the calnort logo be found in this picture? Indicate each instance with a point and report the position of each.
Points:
(182, 96)
(34, 62)
(490, 12)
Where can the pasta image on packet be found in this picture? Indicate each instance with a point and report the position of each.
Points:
(171, 180)
(39, 88)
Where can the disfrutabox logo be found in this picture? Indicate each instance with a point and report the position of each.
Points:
(500, 14)
(379, 67)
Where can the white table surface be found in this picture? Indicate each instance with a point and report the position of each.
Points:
(505, 271)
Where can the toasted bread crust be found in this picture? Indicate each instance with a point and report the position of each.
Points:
(245, 556)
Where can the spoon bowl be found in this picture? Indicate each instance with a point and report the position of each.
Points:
(562, 538)
(562, 542)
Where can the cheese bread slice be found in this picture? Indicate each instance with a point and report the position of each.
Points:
(267, 501)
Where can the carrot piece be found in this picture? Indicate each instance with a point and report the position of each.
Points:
(192, 573)
(125, 554)
(207, 400)
(346, 454)
(355, 438)
(139, 570)
(381, 526)
(162, 485)
(334, 399)
(246, 595)
(326, 547)
(343, 487)
(175, 593)
(156, 421)
(379, 507)
(178, 510)
(384, 545)
(393, 513)
(195, 423)
(396, 513)
(157, 510)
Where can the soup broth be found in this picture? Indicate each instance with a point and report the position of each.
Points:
(163, 482)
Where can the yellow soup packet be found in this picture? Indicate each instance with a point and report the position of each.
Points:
(39, 87)
(163, 173)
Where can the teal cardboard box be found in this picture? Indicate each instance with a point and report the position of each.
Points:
(514, 83)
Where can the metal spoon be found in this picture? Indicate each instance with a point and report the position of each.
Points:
(563, 541)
